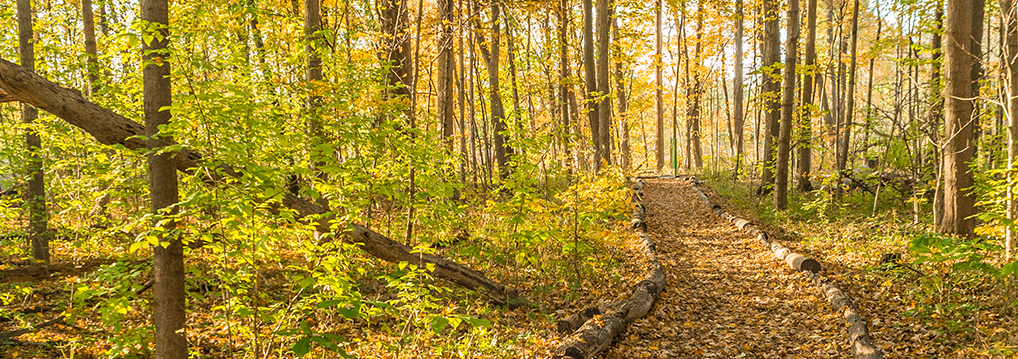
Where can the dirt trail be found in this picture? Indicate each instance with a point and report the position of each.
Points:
(726, 296)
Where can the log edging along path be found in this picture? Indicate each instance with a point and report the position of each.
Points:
(593, 329)
(858, 333)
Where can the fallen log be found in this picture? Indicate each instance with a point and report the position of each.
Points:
(13, 333)
(858, 334)
(111, 128)
(596, 327)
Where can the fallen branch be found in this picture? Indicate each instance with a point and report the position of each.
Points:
(601, 325)
(13, 333)
(111, 128)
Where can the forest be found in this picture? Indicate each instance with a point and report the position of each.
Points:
(508, 179)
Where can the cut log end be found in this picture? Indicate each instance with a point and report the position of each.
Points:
(801, 263)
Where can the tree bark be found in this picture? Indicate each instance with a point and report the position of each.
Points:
(394, 20)
(846, 133)
(659, 149)
(39, 235)
(738, 121)
(502, 150)
(805, 160)
(590, 74)
(771, 84)
(1010, 50)
(88, 24)
(959, 202)
(565, 86)
(787, 107)
(604, 137)
(620, 92)
(446, 72)
(168, 307)
(697, 93)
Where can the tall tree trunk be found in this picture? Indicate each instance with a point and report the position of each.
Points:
(39, 234)
(502, 150)
(565, 86)
(590, 74)
(959, 202)
(936, 111)
(312, 36)
(659, 150)
(771, 57)
(446, 72)
(394, 22)
(1010, 51)
(805, 160)
(461, 100)
(738, 122)
(620, 92)
(88, 23)
(697, 95)
(787, 107)
(846, 136)
(168, 307)
(604, 15)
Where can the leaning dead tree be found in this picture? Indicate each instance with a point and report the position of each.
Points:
(111, 128)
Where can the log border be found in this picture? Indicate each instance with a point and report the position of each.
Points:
(858, 333)
(593, 329)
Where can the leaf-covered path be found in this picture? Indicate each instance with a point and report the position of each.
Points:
(726, 296)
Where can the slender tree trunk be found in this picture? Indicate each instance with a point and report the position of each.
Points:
(846, 137)
(738, 121)
(805, 160)
(565, 86)
(394, 22)
(88, 23)
(771, 86)
(659, 150)
(604, 15)
(1010, 51)
(787, 107)
(461, 99)
(446, 72)
(590, 74)
(312, 36)
(620, 92)
(959, 202)
(502, 150)
(697, 95)
(39, 234)
(168, 308)
(936, 111)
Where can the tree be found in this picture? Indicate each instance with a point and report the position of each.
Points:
(396, 43)
(696, 93)
(590, 74)
(168, 307)
(88, 25)
(846, 125)
(805, 151)
(604, 137)
(738, 120)
(620, 91)
(959, 202)
(39, 235)
(659, 149)
(446, 71)
(769, 90)
(565, 87)
(787, 107)
(1009, 17)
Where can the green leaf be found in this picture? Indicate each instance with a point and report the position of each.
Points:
(438, 323)
(302, 346)
(330, 303)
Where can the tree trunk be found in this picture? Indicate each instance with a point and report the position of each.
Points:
(446, 72)
(787, 107)
(590, 75)
(805, 161)
(771, 57)
(846, 133)
(604, 15)
(88, 23)
(738, 121)
(394, 21)
(39, 234)
(1010, 43)
(959, 202)
(659, 150)
(565, 85)
(502, 150)
(168, 307)
(620, 92)
(698, 91)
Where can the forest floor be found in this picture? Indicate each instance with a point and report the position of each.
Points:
(726, 296)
